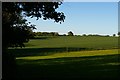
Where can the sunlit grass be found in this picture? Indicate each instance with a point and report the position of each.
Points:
(72, 54)
(69, 58)
(95, 42)
(102, 64)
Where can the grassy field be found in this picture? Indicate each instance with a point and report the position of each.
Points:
(90, 65)
(94, 42)
(72, 54)
(68, 57)
(51, 45)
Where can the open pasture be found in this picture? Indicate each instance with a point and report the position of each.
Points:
(93, 42)
(90, 65)
(68, 57)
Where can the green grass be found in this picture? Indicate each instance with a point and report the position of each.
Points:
(72, 54)
(95, 42)
(99, 64)
(68, 57)
(51, 45)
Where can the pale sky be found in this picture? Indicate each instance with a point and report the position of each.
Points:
(83, 18)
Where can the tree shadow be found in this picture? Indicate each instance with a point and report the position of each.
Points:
(91, 68)
(43, 51)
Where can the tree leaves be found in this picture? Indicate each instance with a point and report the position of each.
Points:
(16, 30)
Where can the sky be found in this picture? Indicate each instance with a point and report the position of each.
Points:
(83, 18)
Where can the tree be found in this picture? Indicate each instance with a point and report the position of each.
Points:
(13, 11)
(84, 35)
(114, 35)
(56, 34)
(70, 33)
(16, 30)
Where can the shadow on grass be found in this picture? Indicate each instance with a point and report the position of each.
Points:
(43, 51)
(91, 68)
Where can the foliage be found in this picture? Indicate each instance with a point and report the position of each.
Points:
(118, 33)
(43, 10)
(84, 35)
(46, 33)
(70, 33)
(114, 35)
(16, 28)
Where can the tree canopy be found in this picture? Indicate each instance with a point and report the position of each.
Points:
(16, 29)
(70, 33)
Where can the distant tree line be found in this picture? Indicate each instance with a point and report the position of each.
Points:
(46, 34)
(70, 33)
(95, 35)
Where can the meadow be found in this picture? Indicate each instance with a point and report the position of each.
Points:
(95, 42)
(68, 57)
